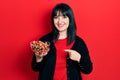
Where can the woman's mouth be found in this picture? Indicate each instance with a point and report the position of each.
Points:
(60, 25)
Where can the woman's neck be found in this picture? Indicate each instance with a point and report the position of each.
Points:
(62, 35)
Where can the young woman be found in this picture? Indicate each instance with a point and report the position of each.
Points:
(68, 54)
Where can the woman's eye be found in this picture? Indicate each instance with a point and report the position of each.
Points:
(65, 16)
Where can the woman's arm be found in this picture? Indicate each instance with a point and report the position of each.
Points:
(85, 61)
(37, 64)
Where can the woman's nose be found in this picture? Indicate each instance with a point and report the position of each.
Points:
(59, 19)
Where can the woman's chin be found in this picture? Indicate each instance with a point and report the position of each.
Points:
(62, 30)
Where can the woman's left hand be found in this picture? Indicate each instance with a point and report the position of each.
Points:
(74, 55)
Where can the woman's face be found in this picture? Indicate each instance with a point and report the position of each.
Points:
(61, 22)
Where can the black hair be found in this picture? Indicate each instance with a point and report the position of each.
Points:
(66, 11)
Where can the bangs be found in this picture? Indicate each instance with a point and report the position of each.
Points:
(64, 11)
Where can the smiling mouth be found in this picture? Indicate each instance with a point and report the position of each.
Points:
(60, 25)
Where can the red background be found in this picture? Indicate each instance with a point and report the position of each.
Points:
(21, 21)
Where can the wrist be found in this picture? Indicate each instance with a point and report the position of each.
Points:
(39, 59)
(78, 59)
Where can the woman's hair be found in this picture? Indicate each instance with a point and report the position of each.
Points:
(66, 11)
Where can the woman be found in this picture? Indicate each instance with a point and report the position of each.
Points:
(68, 54)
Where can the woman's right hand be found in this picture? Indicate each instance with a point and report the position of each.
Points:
(39, 56)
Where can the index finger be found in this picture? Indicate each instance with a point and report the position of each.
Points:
(68, 50)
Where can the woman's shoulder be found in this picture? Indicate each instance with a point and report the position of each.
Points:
(78, 38)
(81, 42)
(46, 37)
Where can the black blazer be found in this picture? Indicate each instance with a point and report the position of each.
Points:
(47, 66)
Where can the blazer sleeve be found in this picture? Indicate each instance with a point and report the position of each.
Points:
(37, 66)
(85, 63)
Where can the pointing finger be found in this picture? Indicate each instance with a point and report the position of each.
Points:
(67, 50)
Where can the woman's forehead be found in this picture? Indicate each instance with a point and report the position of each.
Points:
(59, 13)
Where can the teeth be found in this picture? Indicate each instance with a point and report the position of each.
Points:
(60, 25)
